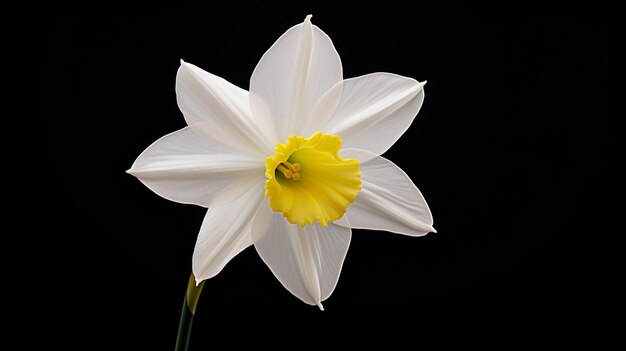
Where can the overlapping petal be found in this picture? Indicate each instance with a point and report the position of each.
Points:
(292, 76)
(188, 167)
(225, 232)
(375, 110)
(306, 260)
(221, 111)
(388, 199)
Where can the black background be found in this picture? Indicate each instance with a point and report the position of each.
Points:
(513, 128)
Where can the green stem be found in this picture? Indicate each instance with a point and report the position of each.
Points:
(186, 316)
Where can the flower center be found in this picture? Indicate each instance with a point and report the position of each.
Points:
(290, 171)
(308, 181)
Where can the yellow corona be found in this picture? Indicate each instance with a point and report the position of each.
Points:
(307, 180)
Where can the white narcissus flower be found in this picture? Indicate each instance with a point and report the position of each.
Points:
(292, 165)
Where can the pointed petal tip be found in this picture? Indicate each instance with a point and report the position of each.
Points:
(432, 230)
(129, 171)
(184, 64)
(308, 18)
(319, 304)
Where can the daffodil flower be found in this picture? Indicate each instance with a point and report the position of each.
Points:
(291, 165)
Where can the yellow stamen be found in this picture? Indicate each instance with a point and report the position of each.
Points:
(286, 163)
(287, 173)
(292, 172)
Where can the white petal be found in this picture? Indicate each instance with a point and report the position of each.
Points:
(375, 110)
(292, 76)
(225, 232)
(307, 261)
(388, 199)
(220, 110)
(187, 167)
(323, 111)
